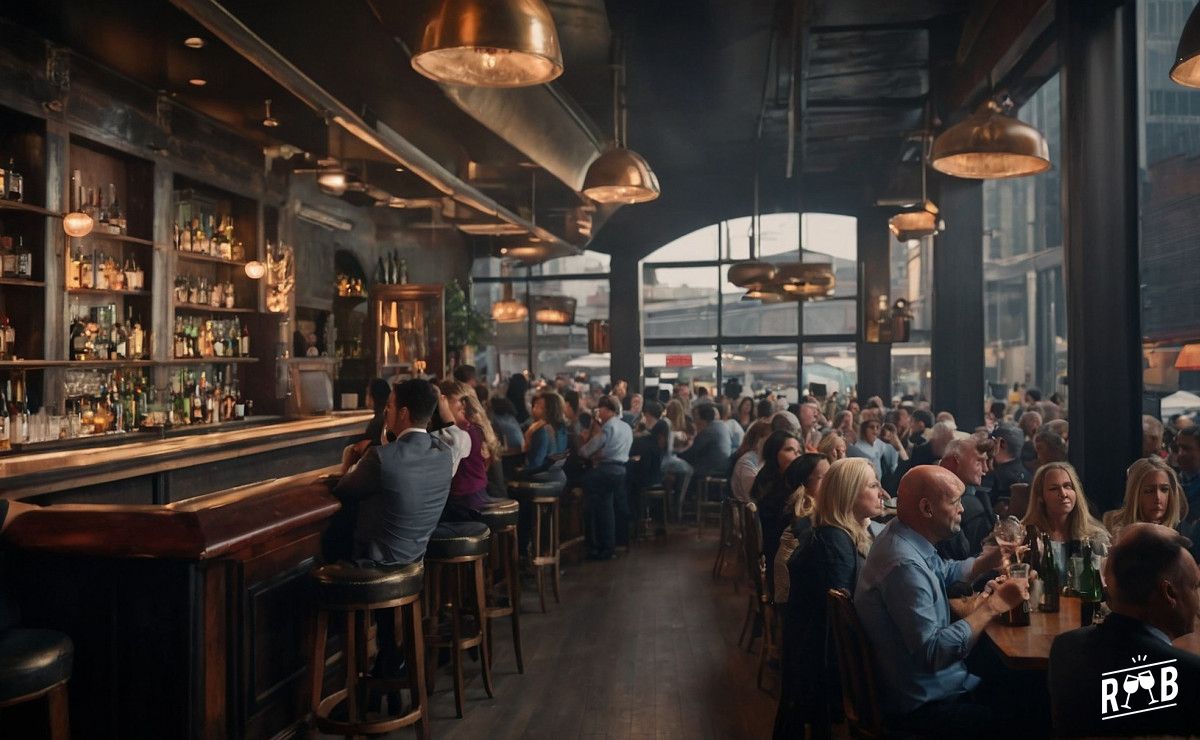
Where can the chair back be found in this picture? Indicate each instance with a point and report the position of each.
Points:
(752, 546)
(1018, 501)
(853, 650)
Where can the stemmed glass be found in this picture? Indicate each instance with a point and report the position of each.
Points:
(1009, 534)
(1132, 685)
(1146, 679)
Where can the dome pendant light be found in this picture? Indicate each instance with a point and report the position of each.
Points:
(620, 175)
(752, 274)
(489, 43)
(509, 310)
(990, 145)
(921, 222)
(1186, 70)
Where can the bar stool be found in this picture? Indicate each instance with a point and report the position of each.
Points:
(501, 517)
(356, 591)
(455, 548)
(544, 497)
(36, 663)
(709, 499)
(572, 537)
(655, 496)
(728, 542)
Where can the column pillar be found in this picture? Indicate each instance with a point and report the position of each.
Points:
(625, 319)
(874, 257)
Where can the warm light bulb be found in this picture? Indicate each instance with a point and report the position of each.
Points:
(77, 224)
(255, 269)
(333, 181)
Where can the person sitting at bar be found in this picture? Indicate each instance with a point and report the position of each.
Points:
(829, 554)
(608, 450)
(804, 477)
(922, 422)
(966, 459)
(469, 489)
(1007, 468)
(869, 446)
(395, 495)
(646, 454)
(1030, 423)
(746, 461)
(931, 452)
(709, 451)
(504, 421)
(546, 439)
(1058, 507)
(832, 446)
(1154, 593)
(919, 646)
(1152, 494)
(376, 433)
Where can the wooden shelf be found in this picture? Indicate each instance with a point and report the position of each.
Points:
(99, 237)
(107, 363)
(200, 308)
(33, 364)
(12, 205)
(207, 361)
(198, 257)
(22, 282)
(351, 297)
(98, 291)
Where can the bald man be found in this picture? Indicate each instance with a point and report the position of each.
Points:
(919, 645)
(1154, 594)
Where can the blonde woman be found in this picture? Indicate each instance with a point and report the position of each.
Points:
(832, 446)
(681, 438)
(469, 487)
(829, 555)
(1152, 494)
(1058, 507)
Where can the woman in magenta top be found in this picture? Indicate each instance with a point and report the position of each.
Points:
(469, 487)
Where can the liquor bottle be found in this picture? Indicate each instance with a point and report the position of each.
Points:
(24, 260)
(100, 265)
(239, 406)
(10, 338)
(244, 342)
(87, 272)
(1090, 593)
(1048, 574)
(4, 349)
(380, 271)
(197, 405)
(8, 257)
(73, 270)
(5, 429)
(14, 183)
(115, 219)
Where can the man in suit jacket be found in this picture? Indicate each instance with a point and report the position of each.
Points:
(1154, 594)
(709, 453)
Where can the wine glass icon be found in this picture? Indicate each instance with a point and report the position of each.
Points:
(1131, 686)
(1146, 679)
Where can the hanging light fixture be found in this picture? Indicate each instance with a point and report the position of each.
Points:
(620, 175)
(489, 43)
(255, 269)
(270, 121)
(508, 310)
(805, 280)
(555, 310)
(1186, 70)
(990, 145)
(752, 274)
(77, 223)
(920, 222)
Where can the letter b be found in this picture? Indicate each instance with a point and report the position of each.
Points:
(1167, 680)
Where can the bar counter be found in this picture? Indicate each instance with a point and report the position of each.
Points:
(191, 619)
(184, 463)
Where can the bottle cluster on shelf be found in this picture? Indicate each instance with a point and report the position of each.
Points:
(194, 401)
(348, 287)
(107, 216)
(99, 334)
(392, 270)
(8, 339)
(101, 271)
(16, 261)
(196, 337)
(12, 182)
(210, 235)
(14, 413)
(204, 291)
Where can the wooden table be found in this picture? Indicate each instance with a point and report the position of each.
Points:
(1028, 648)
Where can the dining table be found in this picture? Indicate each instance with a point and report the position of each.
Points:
(1028, 647)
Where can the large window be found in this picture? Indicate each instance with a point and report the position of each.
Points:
(912, 279)
(1025, 317)
(686, 296)
(1169, 154)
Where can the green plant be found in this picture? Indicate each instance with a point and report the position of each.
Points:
(465, 327)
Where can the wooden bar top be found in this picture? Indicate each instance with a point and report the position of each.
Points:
(1028, 648)
(200, 528)
(34, 474)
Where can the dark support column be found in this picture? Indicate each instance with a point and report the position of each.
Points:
(874, 360)
(957, 336)
(625, 320)
(1100, 201)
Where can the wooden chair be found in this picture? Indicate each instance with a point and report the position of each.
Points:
(853, 650)
(760, 609)
(710, 500)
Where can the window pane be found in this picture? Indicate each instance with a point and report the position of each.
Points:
(693, 365)
(780, 237)
(563, 350)
(838, 316)
(828, 237)
(1024, 298)
(1170, 221)
(833, 365)
(912, 268)
(679, 301)
(761, 368)
(698, 246)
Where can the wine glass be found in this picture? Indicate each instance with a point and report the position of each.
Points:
(1131, 685)
(1009, 534)
(1146, 679)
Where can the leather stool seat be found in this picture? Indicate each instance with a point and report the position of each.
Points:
(501, 514)
(656, 491)
(32, 661)
(535, 488)
(459, 539)
(345, 584)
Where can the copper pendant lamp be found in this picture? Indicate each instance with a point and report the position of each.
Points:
(620, 175)
(805, 280)
(508, 310)
(489, 43)
(918, 223)
(1186, 70)
(990, 145)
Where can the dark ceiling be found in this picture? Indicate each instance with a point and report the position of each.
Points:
(824, 97)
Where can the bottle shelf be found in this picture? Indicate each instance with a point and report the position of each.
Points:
(104, 363)
(12, 205)
(176, 362)
(100, 237)
(22, 282)
(99, 291)
(201, 308)
(185, 361)
(199, 257)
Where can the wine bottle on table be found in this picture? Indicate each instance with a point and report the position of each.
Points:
(1048, 573)
(1089, 587)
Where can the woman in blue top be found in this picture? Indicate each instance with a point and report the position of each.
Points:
(545, 439)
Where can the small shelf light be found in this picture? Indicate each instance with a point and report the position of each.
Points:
(78, 224)
(194, 42)
(198, 82)
(255, 269)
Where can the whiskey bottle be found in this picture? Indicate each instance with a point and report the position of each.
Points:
(14, 183)
(8, 257)
(24, 260)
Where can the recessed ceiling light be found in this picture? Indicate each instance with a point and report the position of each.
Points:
(194, 42)
(198, 82)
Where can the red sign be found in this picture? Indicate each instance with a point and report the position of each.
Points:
(679, 360)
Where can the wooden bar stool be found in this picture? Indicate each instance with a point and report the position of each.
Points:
(654, 497)
(36, 663)
(571, 514)
(709, 500)
(544, 497)
(457, 549)
(355, 592)
(501, 517)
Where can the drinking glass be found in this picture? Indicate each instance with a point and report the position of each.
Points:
(1009, 534)
(1019, 572)
(1076, 568)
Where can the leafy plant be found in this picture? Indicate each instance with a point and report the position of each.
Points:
(464, 325)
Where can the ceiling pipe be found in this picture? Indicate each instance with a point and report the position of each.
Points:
(235, 34)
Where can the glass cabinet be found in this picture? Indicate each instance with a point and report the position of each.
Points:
(410, 335)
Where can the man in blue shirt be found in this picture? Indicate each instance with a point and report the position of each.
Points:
(919, 646)
(604, 484)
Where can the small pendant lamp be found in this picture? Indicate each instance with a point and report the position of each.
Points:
(990, 145)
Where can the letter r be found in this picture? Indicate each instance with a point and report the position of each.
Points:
(1108, 694)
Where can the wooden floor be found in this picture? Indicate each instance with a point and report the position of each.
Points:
(641, 647)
